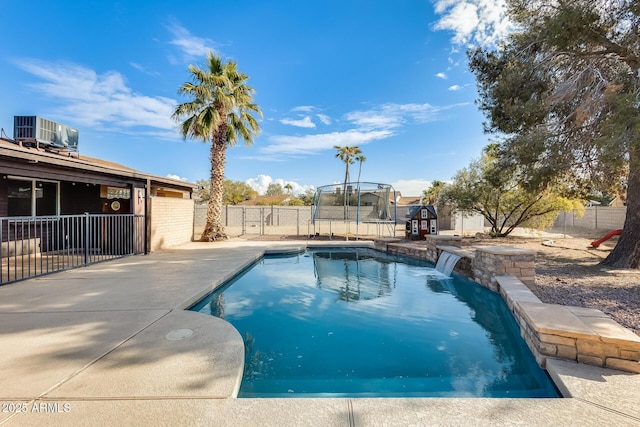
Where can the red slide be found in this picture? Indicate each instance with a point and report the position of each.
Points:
(607, 236)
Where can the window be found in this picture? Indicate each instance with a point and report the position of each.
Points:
(31, 197)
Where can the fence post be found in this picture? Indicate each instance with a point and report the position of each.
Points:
(297, 221)
(244, 222)
(86, 238)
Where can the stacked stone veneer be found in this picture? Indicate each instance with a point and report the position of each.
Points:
(583, 335)
(571, 333)
(427, 249)
(492, 261)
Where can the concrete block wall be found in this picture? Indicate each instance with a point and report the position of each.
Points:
(605, 218)
(171, 222)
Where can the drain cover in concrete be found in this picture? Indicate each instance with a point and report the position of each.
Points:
(179, 334)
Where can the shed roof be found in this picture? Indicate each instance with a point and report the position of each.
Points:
(415, 209)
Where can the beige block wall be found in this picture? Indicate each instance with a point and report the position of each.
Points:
(171, 221)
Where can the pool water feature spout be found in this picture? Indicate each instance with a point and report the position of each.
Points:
(446, 262)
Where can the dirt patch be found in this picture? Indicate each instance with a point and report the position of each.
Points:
(568, 271)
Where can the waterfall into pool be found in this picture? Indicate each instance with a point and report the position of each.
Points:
(446, 262)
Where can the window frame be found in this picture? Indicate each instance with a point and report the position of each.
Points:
(34, 190)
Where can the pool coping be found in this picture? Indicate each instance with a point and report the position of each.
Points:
(102, 383)
(578, 334)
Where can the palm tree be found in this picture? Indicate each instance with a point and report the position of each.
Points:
(360, 159)
(289, 188)
(430, 196)
(347, 155)
(219, 110)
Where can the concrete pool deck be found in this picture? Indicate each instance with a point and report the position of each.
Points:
(111, 344)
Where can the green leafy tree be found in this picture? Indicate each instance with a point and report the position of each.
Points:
(492, 189)
(274, 189)
(307, 197)
(219, 111)
(236, 192)
(204, 190)
(294, 201)
(563, 91)
(430, 195)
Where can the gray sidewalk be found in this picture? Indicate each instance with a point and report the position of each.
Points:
(111, 344)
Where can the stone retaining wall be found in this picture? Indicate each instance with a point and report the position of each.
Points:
(492, 261)
(584, 335)
(570, 333)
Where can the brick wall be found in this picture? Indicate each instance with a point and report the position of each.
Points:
(171, 222)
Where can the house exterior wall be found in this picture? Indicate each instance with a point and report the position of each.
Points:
(171, 221)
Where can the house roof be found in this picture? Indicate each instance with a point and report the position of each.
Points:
(8, 148)
(409, 200)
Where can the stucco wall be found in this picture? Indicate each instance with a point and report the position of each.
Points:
(171, 221)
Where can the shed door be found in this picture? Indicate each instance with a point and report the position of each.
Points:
(414, 226)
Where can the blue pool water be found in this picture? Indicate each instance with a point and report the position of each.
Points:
(360, 323)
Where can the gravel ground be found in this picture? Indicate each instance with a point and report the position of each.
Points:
(568, 273)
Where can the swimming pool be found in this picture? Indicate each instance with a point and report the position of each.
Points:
(361, 323)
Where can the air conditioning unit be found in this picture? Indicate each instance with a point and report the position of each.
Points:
(45, 133)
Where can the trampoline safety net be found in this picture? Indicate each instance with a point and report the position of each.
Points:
(360, 202)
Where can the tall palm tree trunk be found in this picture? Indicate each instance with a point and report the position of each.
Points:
(344, 189)
(214, 230)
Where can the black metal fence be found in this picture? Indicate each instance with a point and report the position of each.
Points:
(33, 246)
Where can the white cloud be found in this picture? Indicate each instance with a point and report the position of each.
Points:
(177, 177)
(191, 46)
(390, 116)
(367, 125)
(482, 22)
(143, 69)
(411, 187)
(305, 122)
(304, 109)
(261, 183)
(324, 119)
(98, 100)
(296, 145)
(455, 88)
(441, 76)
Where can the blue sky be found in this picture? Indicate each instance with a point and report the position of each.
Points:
(388, 76)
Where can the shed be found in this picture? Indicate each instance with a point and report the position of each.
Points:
(422, 220)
